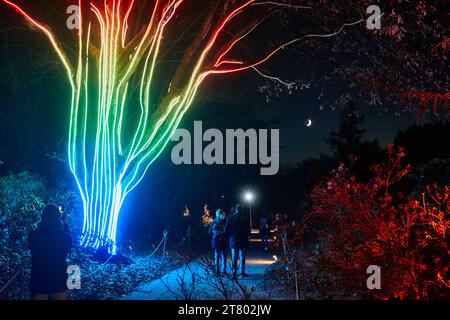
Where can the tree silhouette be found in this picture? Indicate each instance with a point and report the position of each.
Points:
(349, 145)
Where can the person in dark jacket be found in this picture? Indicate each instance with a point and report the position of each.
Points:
(49, 244)
(237, 228)
(218, 241)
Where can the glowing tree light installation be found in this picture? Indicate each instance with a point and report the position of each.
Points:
(115, 70)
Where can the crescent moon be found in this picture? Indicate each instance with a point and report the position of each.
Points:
(309, 123)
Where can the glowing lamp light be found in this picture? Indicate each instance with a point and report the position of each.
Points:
(248, 197)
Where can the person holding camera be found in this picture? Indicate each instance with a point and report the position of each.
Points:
(50, 244)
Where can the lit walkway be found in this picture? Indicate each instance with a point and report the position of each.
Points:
(195, 281)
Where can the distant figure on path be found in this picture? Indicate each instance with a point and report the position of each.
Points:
(49, 244)
(218, 241)
(237, 228)
(265, 234)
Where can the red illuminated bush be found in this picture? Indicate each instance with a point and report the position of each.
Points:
(374, 223)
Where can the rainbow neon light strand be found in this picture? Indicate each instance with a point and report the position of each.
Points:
(107, 161)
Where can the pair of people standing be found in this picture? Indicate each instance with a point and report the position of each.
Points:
(235, 229)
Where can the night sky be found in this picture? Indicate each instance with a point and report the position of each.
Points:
(287, 112)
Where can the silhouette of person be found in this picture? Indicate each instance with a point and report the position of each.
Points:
(237, 228)
(218, 241)
(49, 245)
(265, 233)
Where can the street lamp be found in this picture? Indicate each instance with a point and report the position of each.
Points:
(248, 196)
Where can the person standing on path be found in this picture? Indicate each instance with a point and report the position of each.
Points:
(218, 241)
(237, 228)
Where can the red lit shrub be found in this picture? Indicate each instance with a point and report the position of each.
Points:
(373, 223)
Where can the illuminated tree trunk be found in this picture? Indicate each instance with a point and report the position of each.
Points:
(106, 160)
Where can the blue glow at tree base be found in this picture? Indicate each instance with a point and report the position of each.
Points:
(100, 221)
